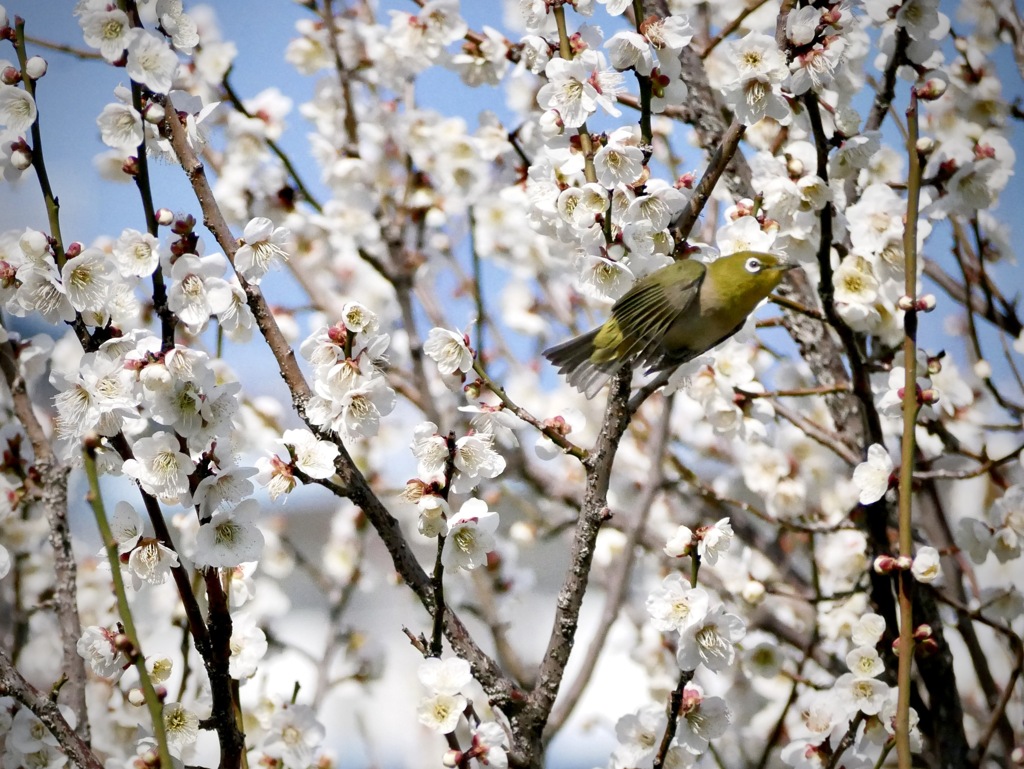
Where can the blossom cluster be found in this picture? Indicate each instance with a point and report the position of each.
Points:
(774, 464)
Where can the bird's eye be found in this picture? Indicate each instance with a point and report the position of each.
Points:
(753, 265)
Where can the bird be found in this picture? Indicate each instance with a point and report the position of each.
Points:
(670, 317)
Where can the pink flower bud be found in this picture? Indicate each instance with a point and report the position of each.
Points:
(927, 303)
(686, 181)
(10, 76)
(884, 564)
(74, 249)
(932, 86)
(929, 396)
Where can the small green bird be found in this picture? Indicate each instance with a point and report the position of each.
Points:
(669, 317)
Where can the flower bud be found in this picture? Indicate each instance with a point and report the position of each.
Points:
(983, 369)
(932, 86)
(523, 533)
(10, 76)
(929, 396)
(74, 249)
(926, 146)
(551, 124)
(21, 159)
(753, 592)
(884, 564)
(904, 562)
(154, 113)
(452, 758)
(136, 697)
(686, 181)
(905, 303)
(164, 216)
(35, 67)
(927, 303)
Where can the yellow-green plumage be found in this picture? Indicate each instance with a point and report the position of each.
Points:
(669, 317)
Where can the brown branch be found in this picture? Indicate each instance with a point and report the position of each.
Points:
(497, 685)
(14, 685)
(53, 485)
(619, 580)
(574, 584)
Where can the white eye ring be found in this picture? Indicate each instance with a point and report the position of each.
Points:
(753, 265)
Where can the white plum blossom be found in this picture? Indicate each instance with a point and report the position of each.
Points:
(88, 279)
(106, 29)
(926, 566)
(702, 719)
(97, 647)
(711, 641)
(430, 449)
(475, 459)
(577, 87)
(491, 743)
(859, 693)
(871, 476)
(181, 726)
(715, 540)
(248, 646)
(617, 163)
(441, 712)
(293, 736)
(674, 605)
(639, 734)
(313, 456)
(150, 561)
(680, 543)
(121, 127)
(444, 676)
(197, 289)
(160, 467)
(151, 61)
(224, 489)
(865, 662)
(136, 254)
(470, 536)
(230, 537)
(450, 350)
(262, 247)
(868, 630)
(756, 91)
(17, 109)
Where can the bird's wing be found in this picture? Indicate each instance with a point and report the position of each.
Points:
(654, 304)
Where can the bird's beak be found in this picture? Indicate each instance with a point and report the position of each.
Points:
(786, 266)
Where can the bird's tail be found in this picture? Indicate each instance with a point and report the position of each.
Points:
(573, 359)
